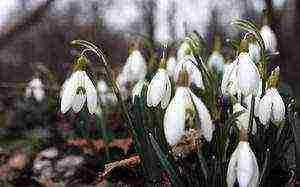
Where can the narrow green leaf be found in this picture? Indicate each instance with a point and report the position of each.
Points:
(164, 160)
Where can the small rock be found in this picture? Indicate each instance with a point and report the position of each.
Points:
(49, 153)
(38, 165)
(69, 162)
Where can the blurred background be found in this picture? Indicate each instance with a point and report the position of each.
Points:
(35, 40)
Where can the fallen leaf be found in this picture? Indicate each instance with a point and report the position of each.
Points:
(129, 163)
(123, 144)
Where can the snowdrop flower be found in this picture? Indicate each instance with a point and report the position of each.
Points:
(216, 63)
(171, 64)
(135, 68)
(190, 63)
(176, 113)
(271, 106)
(241, 76)
(243, 167)
(243, 119)
(76, 90)
(137, 89)
(269, 39)
(159, 89)
(35, 88)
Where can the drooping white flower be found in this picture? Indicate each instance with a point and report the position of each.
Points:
(269, 39)
(76, 90)
(159, 90)
(35, 88)
(135, 68)
(190, 63)
(241, 76)
(243, 167)
(271, 107)
(175, 116)
(243, 119)
(171, 64)
(216, 63)
(137, 89)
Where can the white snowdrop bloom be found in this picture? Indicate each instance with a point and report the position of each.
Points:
(271, 107)
(254, 52)
(190, 64)
(159, 89)
(171, 64)
(242, 75)
(76, 90)
(137, 89)
(243, 119)
(175, 116)
(135, 68)
(243, 167)
(35, 88)
(269, 39)
(216, 62)
(102, 87)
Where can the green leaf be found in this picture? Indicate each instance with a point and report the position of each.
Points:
(164, 161)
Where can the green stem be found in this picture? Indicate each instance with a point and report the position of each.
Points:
(251, 118)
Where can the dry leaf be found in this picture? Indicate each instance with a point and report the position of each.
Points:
(129, 163)
(123, 144)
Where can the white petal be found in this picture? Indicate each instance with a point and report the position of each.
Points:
(255, 177)
(248, 75)
(68, 92)
(136, 65)
(278, 107)
(247, 101)
(168, 91)
(137, 89)
(265, 108)
(231, 171)
(174, 120)
(39, 94)
(78, 102)
(243, 119)
(254, 52)
(157, 88)
(206, 124)
(28, 92)
(216, 62)
(91, 94)
(102, 87)
(246, 167)
(171, 65)
(229, 84)
(269, 39)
